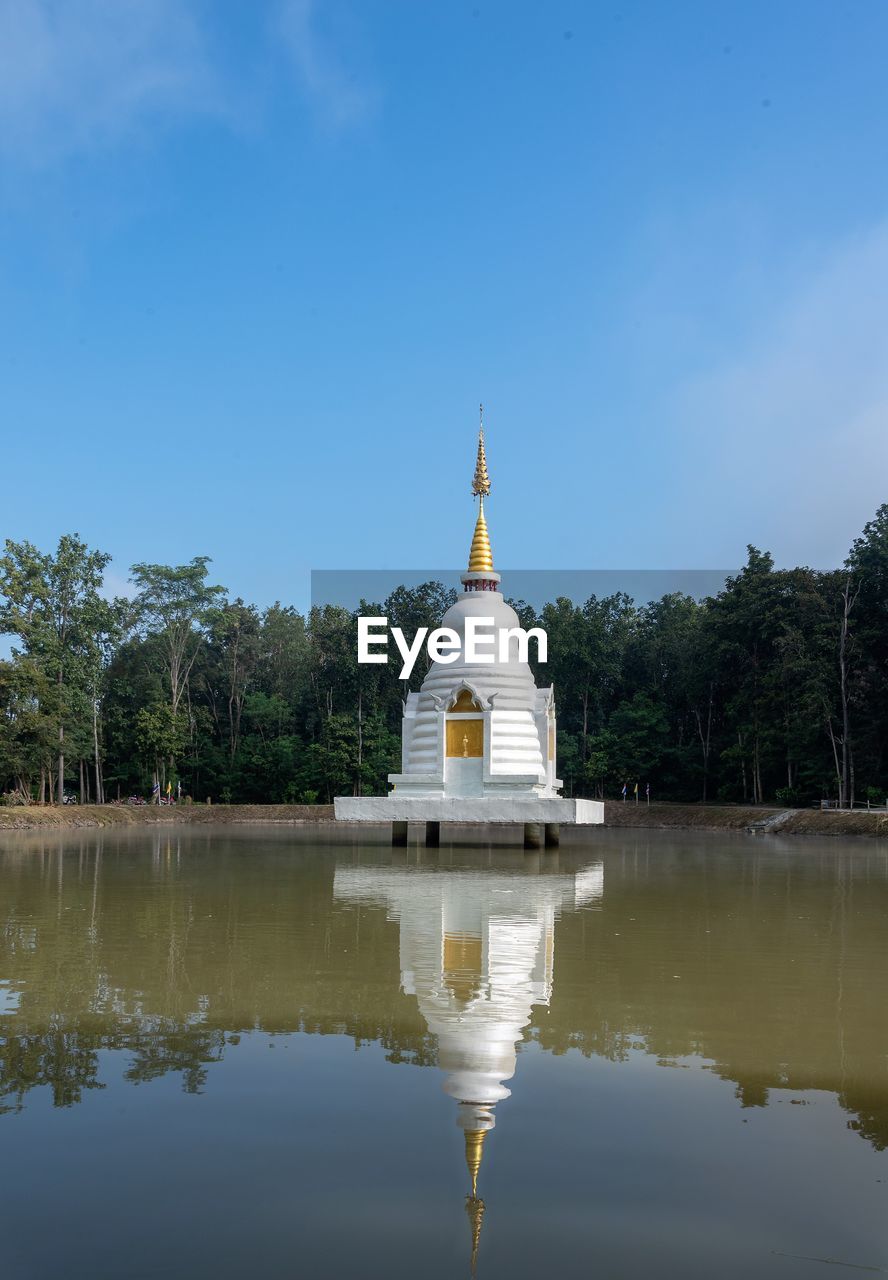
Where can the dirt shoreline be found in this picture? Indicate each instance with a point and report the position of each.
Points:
(52, 817)
(679, 817)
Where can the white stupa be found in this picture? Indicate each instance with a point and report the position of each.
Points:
(478, 739)
(479, 729)
(477, 950)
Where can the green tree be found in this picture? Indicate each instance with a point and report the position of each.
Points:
(159, 737)
(234, 647)
(52, 604)
(639, 733)
(175, 602)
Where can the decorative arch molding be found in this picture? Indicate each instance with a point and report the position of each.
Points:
(465, 699)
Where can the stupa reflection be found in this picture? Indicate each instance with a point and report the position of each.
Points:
(477, 950)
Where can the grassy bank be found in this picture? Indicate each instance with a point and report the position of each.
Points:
(112, 815)
(739, 817)
(679, 817)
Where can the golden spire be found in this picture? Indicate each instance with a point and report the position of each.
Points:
(474, 1152)
(480, 554)
(474, 1204)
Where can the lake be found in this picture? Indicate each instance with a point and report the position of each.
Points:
(297, 1051)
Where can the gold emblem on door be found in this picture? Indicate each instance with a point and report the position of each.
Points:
(465, 738)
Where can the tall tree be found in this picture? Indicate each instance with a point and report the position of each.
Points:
(174, 602)
(234, 651)
(867, 565)
(52, 603)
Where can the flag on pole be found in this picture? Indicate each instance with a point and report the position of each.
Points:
(635, 793)
(155, 788)
(625, 788)
(647, 791)
(169, 790)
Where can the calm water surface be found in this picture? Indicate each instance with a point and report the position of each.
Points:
(266, 1053)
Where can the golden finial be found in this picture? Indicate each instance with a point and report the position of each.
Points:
(475, 1210)
(481, 480)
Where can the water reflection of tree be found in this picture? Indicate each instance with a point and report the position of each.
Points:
(158, 1050)
(766, 973)
(165, 964)
(65, 1061)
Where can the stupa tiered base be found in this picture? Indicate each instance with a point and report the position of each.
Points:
(540, 817)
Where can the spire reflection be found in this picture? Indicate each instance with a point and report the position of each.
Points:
(477, 950)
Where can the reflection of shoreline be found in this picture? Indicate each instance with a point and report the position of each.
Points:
(477, 950)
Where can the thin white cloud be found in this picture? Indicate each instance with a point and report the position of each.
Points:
(115, 584)
(76, 74)
(793, 434)
(338, 96)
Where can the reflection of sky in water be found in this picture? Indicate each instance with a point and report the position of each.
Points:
(9, 999)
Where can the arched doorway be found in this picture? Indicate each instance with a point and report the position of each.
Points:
(464, 745)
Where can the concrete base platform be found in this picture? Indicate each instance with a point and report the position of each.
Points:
(548, 810)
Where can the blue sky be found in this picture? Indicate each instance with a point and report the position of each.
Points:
(259, 262)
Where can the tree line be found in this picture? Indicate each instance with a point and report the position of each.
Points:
(774, 689)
